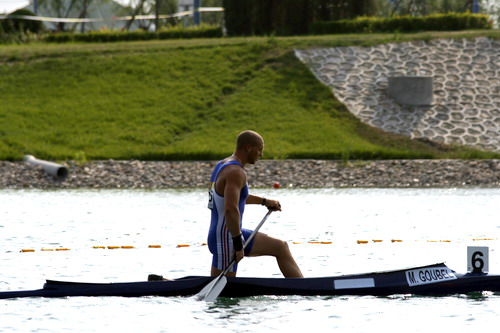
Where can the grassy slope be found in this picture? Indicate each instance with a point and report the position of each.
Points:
(185, 100)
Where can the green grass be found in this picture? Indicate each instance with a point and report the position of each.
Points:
(188, 99)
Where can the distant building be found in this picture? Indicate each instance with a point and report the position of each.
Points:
(185, 5)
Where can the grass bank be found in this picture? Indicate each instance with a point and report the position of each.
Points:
(187, 99)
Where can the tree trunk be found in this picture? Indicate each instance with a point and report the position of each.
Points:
(136, 12)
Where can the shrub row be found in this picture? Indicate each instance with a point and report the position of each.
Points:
(436, 22)
(115, 36)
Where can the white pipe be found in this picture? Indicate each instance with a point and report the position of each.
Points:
(57, 171)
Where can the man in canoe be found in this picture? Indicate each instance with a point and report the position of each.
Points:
(228, 197)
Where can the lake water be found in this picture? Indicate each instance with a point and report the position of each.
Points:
(411, 227)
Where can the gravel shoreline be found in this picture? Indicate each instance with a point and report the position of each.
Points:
(287, 173)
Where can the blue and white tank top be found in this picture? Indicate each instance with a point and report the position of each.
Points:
(216, 200)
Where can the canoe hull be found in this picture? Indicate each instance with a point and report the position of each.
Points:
(435, 279)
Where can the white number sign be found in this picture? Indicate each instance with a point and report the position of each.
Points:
(477, 259)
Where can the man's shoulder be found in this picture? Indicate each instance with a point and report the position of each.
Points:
(234, 169)
(234, 173)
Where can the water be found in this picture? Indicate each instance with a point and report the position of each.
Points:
(412, 227)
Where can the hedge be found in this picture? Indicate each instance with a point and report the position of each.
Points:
(436, 22)
(115, 36)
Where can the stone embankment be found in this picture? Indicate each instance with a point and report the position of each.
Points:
(466, 87)
(288, 173)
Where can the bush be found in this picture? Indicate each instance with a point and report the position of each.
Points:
(203, 31)
(437, 22)
(17, 25)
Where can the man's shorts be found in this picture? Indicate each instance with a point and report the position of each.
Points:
(223, 251)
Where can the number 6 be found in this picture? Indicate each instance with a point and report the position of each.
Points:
(477, 263)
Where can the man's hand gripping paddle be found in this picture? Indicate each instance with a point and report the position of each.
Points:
(212, 290)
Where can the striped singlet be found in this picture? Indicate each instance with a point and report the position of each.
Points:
(220, 242)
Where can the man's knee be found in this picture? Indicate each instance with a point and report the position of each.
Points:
(283, 247)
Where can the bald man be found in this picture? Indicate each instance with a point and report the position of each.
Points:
(228, 196)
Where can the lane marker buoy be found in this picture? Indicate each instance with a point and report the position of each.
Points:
(360, 241)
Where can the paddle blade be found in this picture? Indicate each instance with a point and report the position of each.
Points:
(216, 290)
(212, 290)
(200, 296)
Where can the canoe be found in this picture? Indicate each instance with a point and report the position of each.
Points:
(434, 280)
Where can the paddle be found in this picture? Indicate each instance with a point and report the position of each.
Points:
(212, 290)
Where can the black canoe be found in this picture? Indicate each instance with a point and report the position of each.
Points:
(435, 279)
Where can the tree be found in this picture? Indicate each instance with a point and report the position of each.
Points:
(59, 8)
(289, 17)
(83, 14)
(213, 18)
(492, 7)
(151, 7)
(426, 7)
(12, 25)
(328, 10)
(70, 9)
